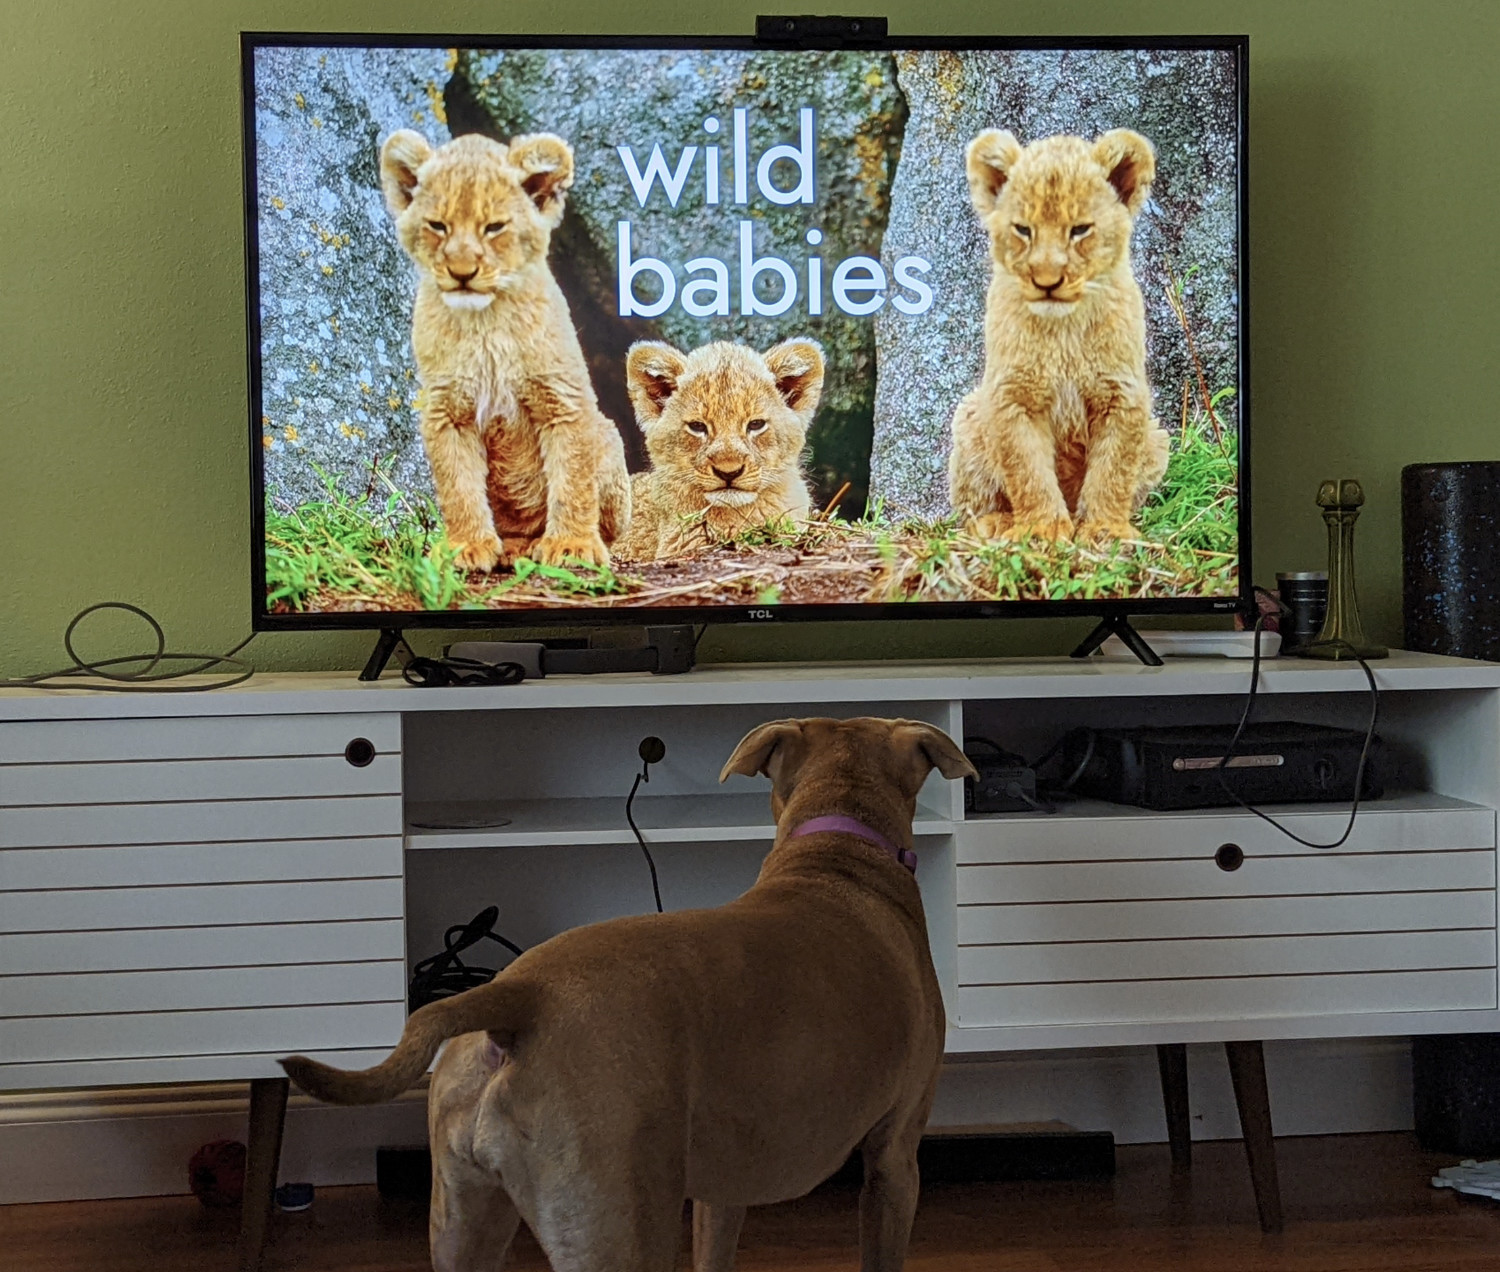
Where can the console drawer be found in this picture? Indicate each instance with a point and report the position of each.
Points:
(1118, 917)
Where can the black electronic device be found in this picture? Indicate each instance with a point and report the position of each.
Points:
(1169, 768)
(1005, 783)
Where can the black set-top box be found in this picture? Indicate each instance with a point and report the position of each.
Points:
(1180, 767)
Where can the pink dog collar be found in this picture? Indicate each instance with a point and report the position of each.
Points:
(839, 824)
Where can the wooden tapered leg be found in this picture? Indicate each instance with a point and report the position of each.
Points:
(263, 1157)
(1247, 1069)
(1171, 1059)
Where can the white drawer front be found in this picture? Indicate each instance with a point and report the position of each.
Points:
(145, 782)
(1329, 873)
(87, 909)
(1138, 836)
(242, 945)
(166, 864)
(1224, 916)
(197, 989)
(200, 822)
(237, 1031)
(1232, 956)
(193, 737)
(1239, 998)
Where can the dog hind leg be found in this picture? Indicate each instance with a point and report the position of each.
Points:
(716, 1233)
(472, 1221)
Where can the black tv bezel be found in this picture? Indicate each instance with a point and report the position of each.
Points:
(263, 619)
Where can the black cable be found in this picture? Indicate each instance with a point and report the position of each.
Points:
(446, 974)
(645, 776)
(145, 680)
(1364, 753)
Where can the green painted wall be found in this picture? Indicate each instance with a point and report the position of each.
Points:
(123, 464)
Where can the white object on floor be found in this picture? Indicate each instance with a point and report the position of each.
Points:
(1479, 1179)
(1206, 644)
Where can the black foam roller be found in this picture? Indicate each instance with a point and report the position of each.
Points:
(1450, 556)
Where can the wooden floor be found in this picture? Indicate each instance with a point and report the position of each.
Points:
(1353, 1203)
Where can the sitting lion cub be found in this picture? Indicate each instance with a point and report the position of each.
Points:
(523, 461)
(1060, 428)
(725, 427)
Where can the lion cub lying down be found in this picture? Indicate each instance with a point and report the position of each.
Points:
(523, 461)
(1060, 428)
(725, 427)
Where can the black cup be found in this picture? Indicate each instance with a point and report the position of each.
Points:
(1305, 594)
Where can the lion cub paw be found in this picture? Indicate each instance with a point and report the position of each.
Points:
(483, 554)
(1050, 529)
(1106, 531)
(993, 525)
(555, 549)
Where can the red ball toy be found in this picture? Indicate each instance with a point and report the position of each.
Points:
(216, 1173)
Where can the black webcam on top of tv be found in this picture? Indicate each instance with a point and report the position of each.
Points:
(820, 29)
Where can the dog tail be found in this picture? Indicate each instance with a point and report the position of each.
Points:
(500, 1008)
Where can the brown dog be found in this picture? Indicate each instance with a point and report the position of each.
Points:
(733, 1056)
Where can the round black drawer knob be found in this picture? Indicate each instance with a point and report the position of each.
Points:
(1229, 857)
(360, 752)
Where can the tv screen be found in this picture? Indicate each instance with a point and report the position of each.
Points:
(676, 330)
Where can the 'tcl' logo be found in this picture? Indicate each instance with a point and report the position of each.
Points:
(762, 613)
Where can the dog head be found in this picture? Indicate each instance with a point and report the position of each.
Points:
(866, 757)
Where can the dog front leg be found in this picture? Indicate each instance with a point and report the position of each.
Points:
(571, 445)
(459, 460)
(716, 1234)
(887, 1206)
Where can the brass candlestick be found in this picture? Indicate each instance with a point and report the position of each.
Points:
(1342, 636)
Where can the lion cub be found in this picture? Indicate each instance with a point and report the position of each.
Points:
(1060, 427)
(523, 460)
(725, 427)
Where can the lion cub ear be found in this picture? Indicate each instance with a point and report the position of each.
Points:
(403, 153)
(1129, 161)
(547, 161)
(798, 368)
(991, 156)
(652, 370)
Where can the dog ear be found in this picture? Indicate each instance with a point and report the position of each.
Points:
(990, 158)
(757, 749)
(931, 748)
(1129, 161)
(403, 153)
(798, 368)
(652, 370)
(547, 161)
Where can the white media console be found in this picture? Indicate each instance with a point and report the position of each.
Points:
(192, 885)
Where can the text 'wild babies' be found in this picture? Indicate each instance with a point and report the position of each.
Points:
(857, 285)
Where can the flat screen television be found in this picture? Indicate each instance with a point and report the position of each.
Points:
(678, 330)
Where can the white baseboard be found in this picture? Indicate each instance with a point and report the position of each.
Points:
(134, 1142)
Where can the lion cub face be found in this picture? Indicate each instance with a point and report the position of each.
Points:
(725, 416)
(1059, 212)
(474, 214)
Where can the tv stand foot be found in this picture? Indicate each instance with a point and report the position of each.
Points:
(1118, 625)
(391, 642)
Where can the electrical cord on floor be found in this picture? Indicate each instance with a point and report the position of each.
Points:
(446, 974)
(146, 679)
(1250, 698)
(651, 751)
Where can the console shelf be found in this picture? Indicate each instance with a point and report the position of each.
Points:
(663, 819)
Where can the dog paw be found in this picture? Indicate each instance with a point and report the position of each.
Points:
(558, 549)
(482, 554)
(1049, 529)
(993, 525)
(1105, 531)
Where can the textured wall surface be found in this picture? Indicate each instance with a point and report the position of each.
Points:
(122, 356)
